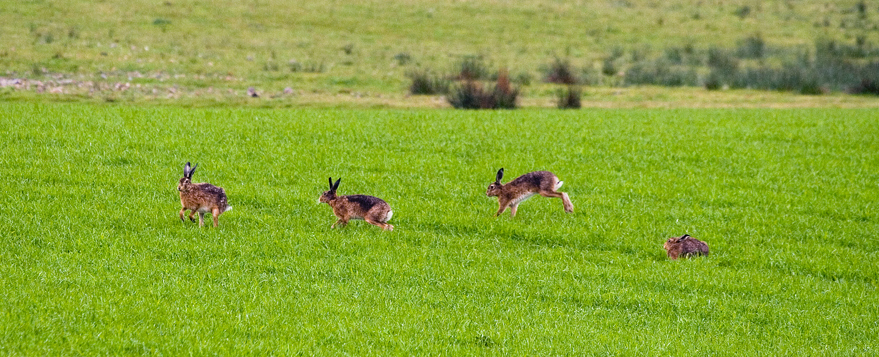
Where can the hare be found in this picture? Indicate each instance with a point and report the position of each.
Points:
(373, 210)
(201, 197)
(684, 246)
(523, 187)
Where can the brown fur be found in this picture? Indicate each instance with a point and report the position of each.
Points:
(201, 198)
(544, 183)
(371, 209)
(684, 246)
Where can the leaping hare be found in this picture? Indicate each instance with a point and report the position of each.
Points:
(523, 187)
(371, 209)
(201, 197)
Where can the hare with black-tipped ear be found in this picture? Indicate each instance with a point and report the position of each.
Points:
(200, 197)
(371, 209)
(684, 246)
(523, 187)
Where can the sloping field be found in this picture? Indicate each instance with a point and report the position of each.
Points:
(210, 52)
(95, 260)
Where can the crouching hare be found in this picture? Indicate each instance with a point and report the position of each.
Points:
(523, 187)
(200, 197)
(684, 246)
(371, 209)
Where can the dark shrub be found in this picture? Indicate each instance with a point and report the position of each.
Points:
(402, 58)
(830, 50)
(861, 6)
(713, 81)
(660, 73)
(810, 86)
(751, 47)
(504, 94)
(722, 61)
(608, 68)
(869, 80)
(569, 98)
(867, 86)
(471, 68)
(674, 55)
(425, 83)
(560, 71)
(803, 80)
(470, 95)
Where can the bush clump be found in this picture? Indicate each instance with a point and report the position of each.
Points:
(569, 98)
(722, 61)
(867, 81)
(471, 68)
(867, 86)
(424, 83)
(469, 94)
(560, 71)
(752, 47)
(660, 73)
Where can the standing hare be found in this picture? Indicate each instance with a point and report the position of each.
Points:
(373, 210)
(201, 197)
(684, 246)
(523, 187)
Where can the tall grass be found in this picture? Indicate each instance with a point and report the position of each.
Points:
(95, 260)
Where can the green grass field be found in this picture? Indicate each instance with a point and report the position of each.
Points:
(95, 260)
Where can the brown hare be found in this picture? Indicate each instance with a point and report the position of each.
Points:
(523, 187)
(684, 246)
(371, 209)
(200, 197)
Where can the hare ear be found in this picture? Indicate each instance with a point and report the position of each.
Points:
(191, 172)
(685, 236)
(331, 183)
(500, 175)
(186, 170)
(336, 186)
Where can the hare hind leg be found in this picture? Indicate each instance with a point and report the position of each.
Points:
(216, 214)
(569, 207)
(379, 217)
(384, 226)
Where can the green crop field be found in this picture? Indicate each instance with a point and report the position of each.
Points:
(95, 260)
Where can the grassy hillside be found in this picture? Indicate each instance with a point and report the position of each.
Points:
(205, 51)
(95, 260)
